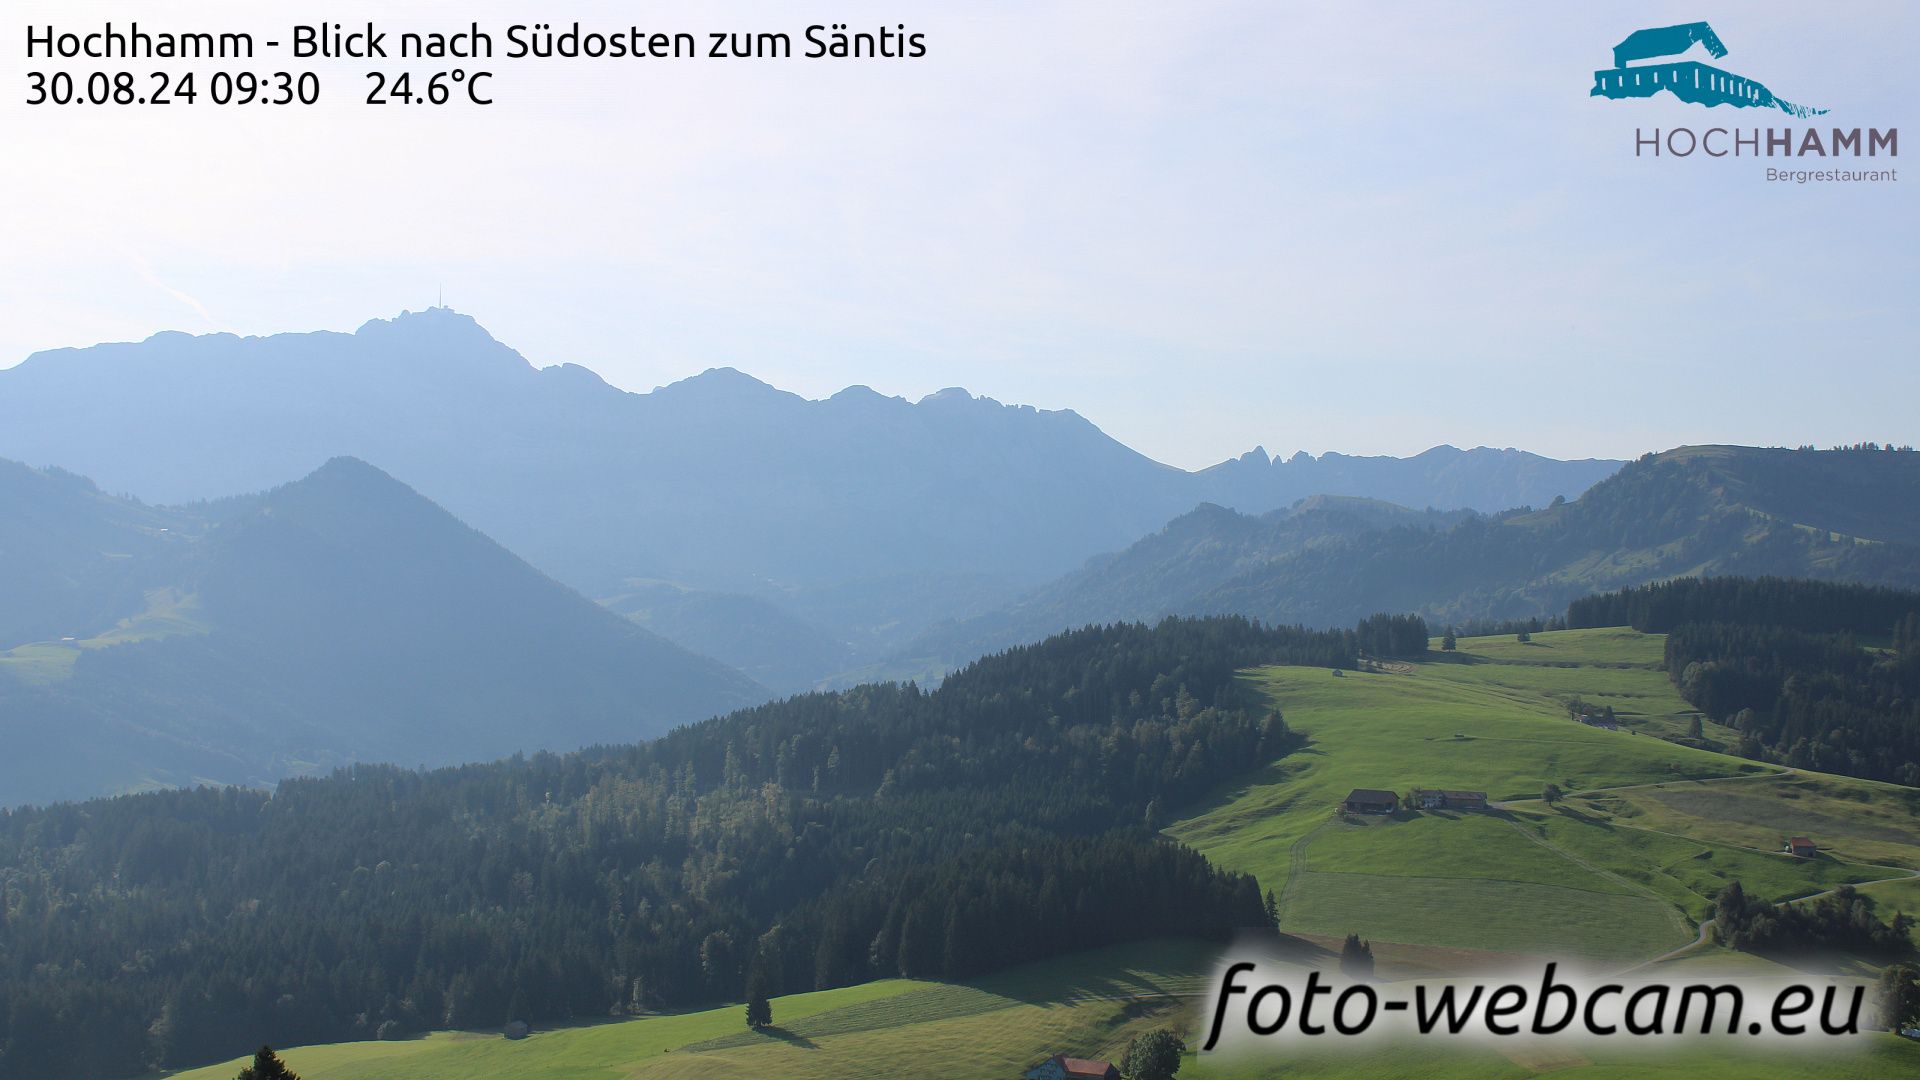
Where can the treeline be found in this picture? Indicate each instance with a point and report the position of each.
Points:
(1798, 668)
(1843, 920)
(1006, 905)
(1813, 701)
(1816, 607)
(1507, 627)
(1393, 636)
(827, 839)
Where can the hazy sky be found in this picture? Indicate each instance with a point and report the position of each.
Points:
(1331, 226)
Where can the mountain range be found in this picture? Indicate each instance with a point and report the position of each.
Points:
(852, 524)
(339, 618)
(737, 542)
(1845, 514)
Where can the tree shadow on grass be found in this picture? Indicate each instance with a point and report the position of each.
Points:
(1582, 817)
(775, 1031)
(1453, 658)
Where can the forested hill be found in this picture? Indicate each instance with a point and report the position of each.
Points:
(827, 839)
(1163, 573)
(337, 618)
(1869, 612)
(1817, 675)
(1844, 515)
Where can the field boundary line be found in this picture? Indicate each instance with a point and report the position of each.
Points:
(1671, 910)
(1296, 872)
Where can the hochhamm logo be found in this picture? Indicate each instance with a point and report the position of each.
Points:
(1688, 80)
(1653, 61)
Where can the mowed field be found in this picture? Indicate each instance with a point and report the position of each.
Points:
(1621, 872)
(998, 1027)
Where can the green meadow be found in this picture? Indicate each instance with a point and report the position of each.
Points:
(169, 612)
(1851, 820)
(1089, 1003)
(1620, 870)
(40, 663)
(1892, 896)
(997, 1027)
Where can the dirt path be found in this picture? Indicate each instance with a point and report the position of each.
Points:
(1706, 928)
(1706, 925)
(1750, 777)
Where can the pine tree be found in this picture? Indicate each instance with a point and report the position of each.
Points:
(759, 1009)
(1273, 911)
(1449, 643)
(1356, 957)
(267, 1066)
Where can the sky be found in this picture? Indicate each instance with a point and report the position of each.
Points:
(1362, 227)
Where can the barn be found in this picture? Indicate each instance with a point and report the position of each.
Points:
(1370, 801)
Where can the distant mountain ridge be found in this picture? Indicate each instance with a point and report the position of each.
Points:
(717, 483)
(338, 618)
(1164, 574)
(1847, 515)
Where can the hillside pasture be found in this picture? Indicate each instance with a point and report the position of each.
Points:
(1621, 870)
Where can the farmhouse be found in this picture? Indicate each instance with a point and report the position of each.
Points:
(1370, 801)
(1802, 848)
(1435, 799)
(1062, 1067)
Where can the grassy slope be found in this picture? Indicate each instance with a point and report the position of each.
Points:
(1576, 880)
(1897, 896)
(1852, 820)
(1088, 1004)
(1000, 1024)
(169, 612)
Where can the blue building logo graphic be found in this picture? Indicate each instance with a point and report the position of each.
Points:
(1688, 80)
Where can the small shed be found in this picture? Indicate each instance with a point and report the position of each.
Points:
(1062, 1067)
(1370, 801)
(1802, 848)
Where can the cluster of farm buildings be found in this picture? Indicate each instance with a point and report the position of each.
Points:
(1376, 801)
